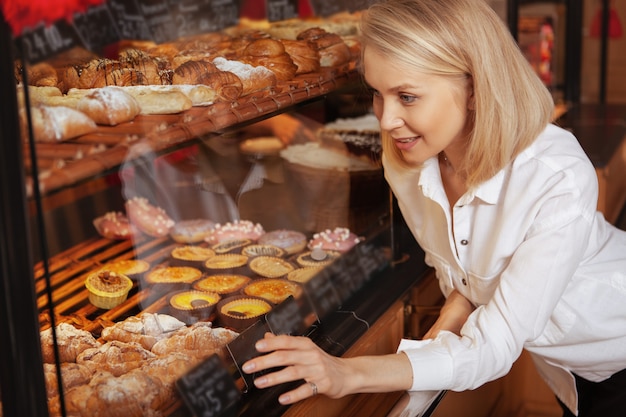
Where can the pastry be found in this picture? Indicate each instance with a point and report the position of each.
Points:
(225, 262)
(191, 231)
(146, 329)
(303, 274)
(240, 312)
(132, 268)
(238, 229)
(253, 79)
(109, 106)
(291, 241)
(115, 357)
(270, 267)
(227, 85)
(271, 54)
(73, 374)
(193, 305)
(317, 257)
(221, 283)
(304, 54)
(332, 49)
(200, 340)
(173, 275)
(230, 245)
(148, 218)
(114, 225)
(56, 123)
(263, 250)
(273, 290)
(191, 255)
(263, 146)
(70, 342)
(339, 239)
(107, 289)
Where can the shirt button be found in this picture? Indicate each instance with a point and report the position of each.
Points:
(464, 242)
(464, 281)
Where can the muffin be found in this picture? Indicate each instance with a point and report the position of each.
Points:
(222, 283)
(192, 305)
(107, 289)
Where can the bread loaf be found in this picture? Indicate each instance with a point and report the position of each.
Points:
(56, 123)
(109, 106)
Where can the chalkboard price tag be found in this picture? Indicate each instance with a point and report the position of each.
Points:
(276, 10)
(161, 20)
(96, 27)
(129, 20)
(242, 349)
(290, 316)
(321, 293)
(209, 390)
(46, 41)
(220, 14)
(327, 7)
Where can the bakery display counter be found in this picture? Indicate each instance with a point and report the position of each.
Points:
(69, 162)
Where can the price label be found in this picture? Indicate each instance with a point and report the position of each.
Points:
(290, 316)
(208, 389)
(47, 41)
(128, 19)
(220, 14)
(96, 27)
(276, 10)
(188, 15)
(327, 7)
(242, 349)
(321, 293)
(161, 20)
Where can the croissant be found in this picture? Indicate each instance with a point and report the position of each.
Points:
(146, 329)
(226, 84)
(253, 79)
(199, 340)
(70, 341)
(304, 54)
(73, 374)
(41, 74)
(332, 49)
(155, 71)
(115, 357)
(271, 54)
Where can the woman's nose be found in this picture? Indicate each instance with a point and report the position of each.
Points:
(388, 117)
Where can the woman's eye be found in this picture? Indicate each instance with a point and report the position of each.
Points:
(405, 98)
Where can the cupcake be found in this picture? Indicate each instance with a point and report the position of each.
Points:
(192, 306)
(107, 289)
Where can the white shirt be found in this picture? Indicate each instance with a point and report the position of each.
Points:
(528, 248)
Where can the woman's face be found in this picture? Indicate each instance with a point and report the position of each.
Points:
(423, 113)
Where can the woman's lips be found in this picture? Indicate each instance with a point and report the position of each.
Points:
(406, 143)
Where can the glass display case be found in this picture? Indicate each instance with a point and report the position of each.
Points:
(143, 255)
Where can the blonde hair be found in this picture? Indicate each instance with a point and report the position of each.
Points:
(466, 38)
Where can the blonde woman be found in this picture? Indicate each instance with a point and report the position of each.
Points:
(503, 204)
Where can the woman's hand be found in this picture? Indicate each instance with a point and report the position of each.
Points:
(302, 359)
(453, 315)
(325, 374)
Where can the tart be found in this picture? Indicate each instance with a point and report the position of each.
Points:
(191, 255)
(107, 289)
(272, 290)
(230, 245)
(222, 283)
(132, 268)
(303, 274)
(192, 306)
(240, 312)
(227, 261)
(263, 250)
(270, 266)
(173, 275)
(317, 257)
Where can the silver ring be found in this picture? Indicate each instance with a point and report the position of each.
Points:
(314, 388)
